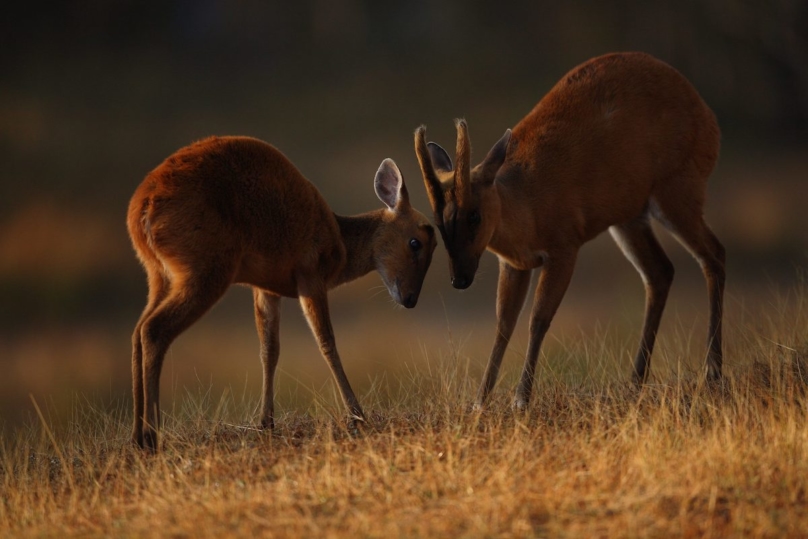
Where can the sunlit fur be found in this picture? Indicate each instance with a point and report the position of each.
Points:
(235, 210)
(618, 140)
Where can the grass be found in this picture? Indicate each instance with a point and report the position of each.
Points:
(592, 457)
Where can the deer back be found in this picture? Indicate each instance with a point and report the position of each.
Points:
(607, 137)
(612, 134)
(226, 199)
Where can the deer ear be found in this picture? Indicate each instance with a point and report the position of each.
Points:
(434, 187)
(496, 156)
(440, 159)
(389, 185)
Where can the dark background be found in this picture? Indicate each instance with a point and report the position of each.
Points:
(95, 94)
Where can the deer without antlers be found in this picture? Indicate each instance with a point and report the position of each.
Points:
(618, 140)
(236, 210)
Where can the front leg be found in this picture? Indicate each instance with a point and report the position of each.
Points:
(511, 292)
(315, 307)
(553, 282)
(267, 321)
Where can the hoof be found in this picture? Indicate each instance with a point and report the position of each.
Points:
(717, 383)
(519, 405)
(149, 441)
(714, 377)
(356, 426)
(137, 439)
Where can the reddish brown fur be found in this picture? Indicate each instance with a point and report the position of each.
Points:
(235, 210)
(619, 139)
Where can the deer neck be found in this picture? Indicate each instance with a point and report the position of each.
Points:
(358, 232)
(509, 226)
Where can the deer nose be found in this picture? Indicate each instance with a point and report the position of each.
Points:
(461, 282)
(410, 301)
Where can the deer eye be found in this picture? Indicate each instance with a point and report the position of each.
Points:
(474, 217)
(415, 244)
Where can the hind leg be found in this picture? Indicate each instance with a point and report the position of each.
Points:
(637, 241)
(186, 302)
(267, 321)
(686, 223)
(158, 291)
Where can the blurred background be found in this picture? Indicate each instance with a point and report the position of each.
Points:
(93, 95)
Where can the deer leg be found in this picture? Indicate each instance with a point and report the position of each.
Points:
(511, 293)
(184, 305)
(553, 282)
(686, 222)
(158, 290)
(713, 265)
(315, 307)
(710, 254)
(637, 241)
(267, 321)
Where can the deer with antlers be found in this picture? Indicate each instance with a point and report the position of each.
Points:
(619, 140)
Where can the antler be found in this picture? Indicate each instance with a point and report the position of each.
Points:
(463, 156)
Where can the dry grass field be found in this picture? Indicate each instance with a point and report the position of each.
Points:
(93, 95)
(592, 458)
